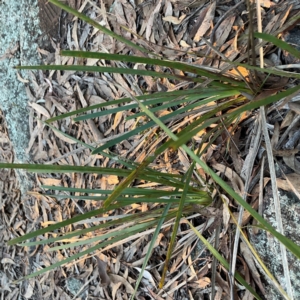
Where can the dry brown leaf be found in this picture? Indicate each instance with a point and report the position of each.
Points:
(74, 34)
(205, 25)
(266, 3)
(81, 97)
(246, 215)
(251, 265)
(56, 103)
(62, 136)
(242, 70)
(40, 109)
(226, 214)
(295, 106)
(117, 119)
(157, 242)
(117, 279)
(285, 153)
(162, 113)
(184, 159)
(147, 277)
(151, 20)
(22, 79)
(174, 20)
(293, 179)
(115, 289)
(223, 31)
(272, 24)
(292, 162)
(105, 280)
(219, 293)
(117, 262)
(223, 284)
(236, 181)
(97, 100)
(275, 136)
(112, 179)
(7, 260)
(203, 282)
(154, 295)
(184, 44)
(32, 139)
(283, 16)
(288, 119)
(50, 181)
(235, 152)
(273, 82)
(29, 289)
(97, 134)
(256, 190)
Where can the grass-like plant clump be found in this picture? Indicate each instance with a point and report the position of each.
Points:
(183, 193)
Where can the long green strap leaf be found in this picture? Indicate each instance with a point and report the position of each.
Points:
(138, 216)
(176, 225)
(157, 97)
(151, 246)
(246, 107)
(145, 60)
(293, 247)
(110, 70)
(141, 226)
(59, 225)
(124, 184)
(277, 42)
(75, 256)
(101, 28)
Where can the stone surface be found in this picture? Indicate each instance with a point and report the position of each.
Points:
(75, 286)
(293, 38)
(20, 36)
(18, 46)
(268, 248)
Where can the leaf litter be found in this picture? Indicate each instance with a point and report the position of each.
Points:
(169, 28)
